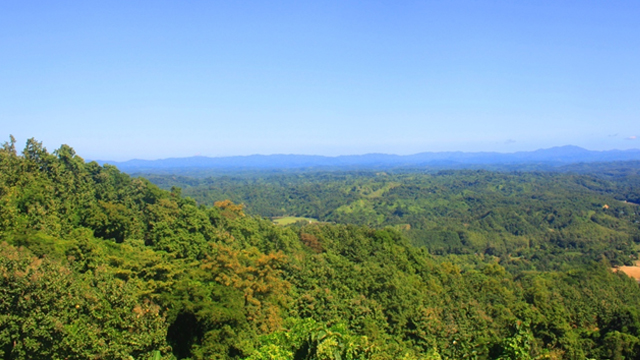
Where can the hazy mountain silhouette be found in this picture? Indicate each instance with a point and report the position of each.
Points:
(554, 156)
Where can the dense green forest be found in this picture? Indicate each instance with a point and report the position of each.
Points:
(97, 264)
(539, 220)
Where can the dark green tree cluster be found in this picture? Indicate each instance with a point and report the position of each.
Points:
(96, 264)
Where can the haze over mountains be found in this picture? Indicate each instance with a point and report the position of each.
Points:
(552, 157)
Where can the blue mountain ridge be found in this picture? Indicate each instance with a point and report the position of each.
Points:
(560, 155)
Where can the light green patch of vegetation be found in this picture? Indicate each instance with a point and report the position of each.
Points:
(288, 220)
(378, 193)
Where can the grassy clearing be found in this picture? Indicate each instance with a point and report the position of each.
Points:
(291, 219)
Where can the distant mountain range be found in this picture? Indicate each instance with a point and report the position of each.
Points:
(556, 156)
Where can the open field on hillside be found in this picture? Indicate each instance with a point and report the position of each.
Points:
(631, 271)
(291, 219)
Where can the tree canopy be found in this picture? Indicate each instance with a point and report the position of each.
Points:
(97, 264)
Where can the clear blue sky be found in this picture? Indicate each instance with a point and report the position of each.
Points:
(154, 79)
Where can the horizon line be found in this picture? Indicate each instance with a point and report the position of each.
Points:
(363, 154)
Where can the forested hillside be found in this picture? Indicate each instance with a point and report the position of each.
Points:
(544, 220)
(97, 264)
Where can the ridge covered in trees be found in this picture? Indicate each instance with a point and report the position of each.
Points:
(544, 220)
(97, 264)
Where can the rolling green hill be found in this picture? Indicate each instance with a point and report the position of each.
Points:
(543, 219)
(97, 264)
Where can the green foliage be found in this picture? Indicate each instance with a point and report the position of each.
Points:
(47, 311)
(307, 339)
(96, 264)
(545, 220)
(518, 345)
